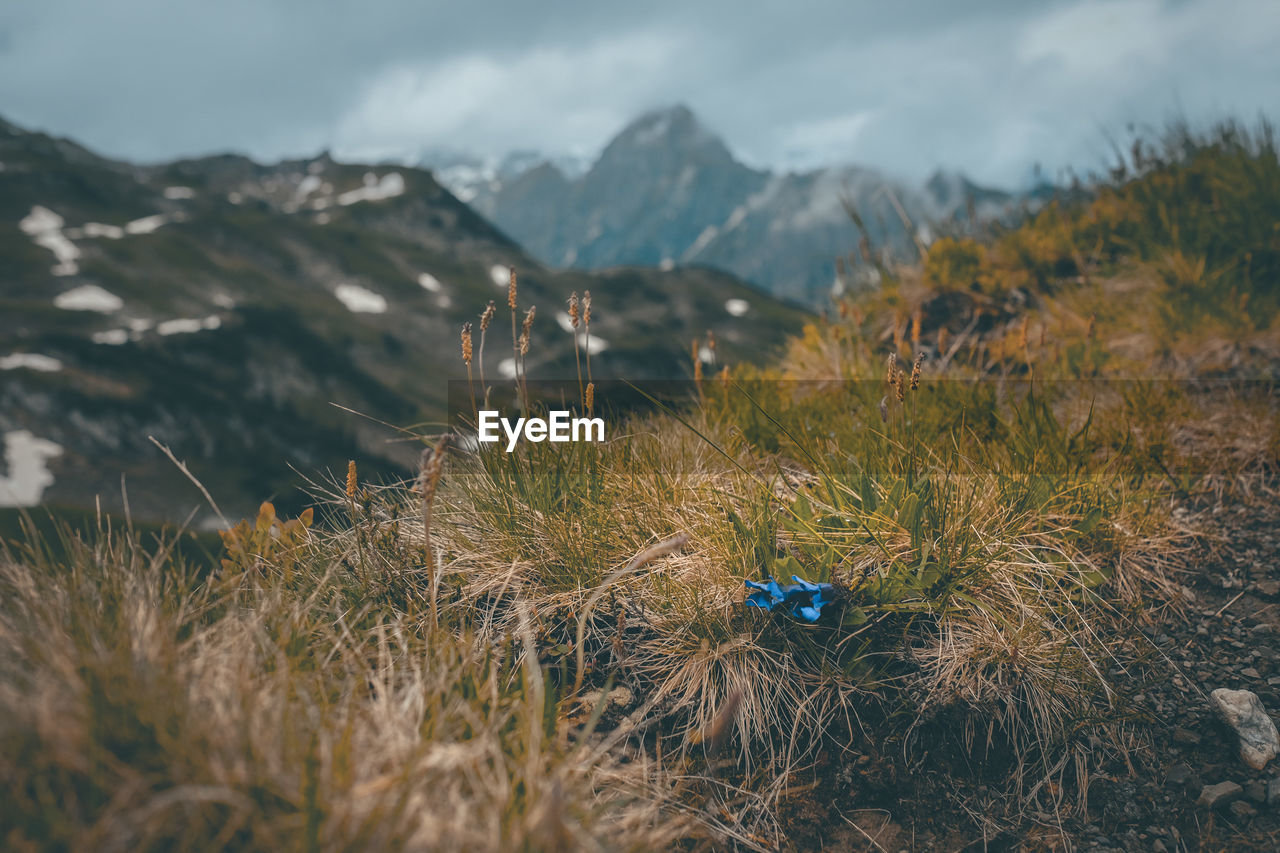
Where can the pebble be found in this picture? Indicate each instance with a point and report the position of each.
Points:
(1273, 792)
(1182, 776)
(1243, 711)
(1256, 792)
(1242, 810)
(1213, 796)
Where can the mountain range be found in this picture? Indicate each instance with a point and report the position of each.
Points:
(668, 192)
(241, 312)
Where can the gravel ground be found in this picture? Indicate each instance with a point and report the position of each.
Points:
(1229, 638)
(1150, 797)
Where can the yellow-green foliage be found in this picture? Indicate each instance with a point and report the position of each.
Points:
(265, 540)
(954, 264)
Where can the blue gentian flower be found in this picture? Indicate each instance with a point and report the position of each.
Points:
(804, 599)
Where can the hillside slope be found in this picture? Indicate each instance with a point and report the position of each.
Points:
(223, 306)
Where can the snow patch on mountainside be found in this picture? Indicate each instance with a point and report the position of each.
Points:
(28, 474)
(146, 224)
(179, 193)
(592, 344)
(306, 187)
(737, 307)
(500, 274)
(111, 337)
(44, 227)
(388, 186)
(704, 239)
(360, 300)
(653, 132)
(188, 326)
(89, 297)
(30, 361)
(431, 284)
(98, 229)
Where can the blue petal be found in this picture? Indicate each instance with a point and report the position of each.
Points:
(768, 597)
(771, 588)
(809, 614)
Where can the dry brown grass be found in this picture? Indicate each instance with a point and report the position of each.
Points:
(144, 709)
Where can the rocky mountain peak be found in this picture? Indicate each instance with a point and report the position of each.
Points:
(669, 131)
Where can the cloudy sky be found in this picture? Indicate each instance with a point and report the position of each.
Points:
(989, 87)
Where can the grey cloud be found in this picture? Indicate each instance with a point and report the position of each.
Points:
(989, 87)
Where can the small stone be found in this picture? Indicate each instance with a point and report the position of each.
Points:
(1255, 792)
(1269, 587)
(1250, 672)
(1213, 796)
(1242, 810)
(1243, 711)
(1185, 736)
(1180, 776)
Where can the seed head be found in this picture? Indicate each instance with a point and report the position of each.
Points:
(526, 329)
(351, 480)
(486, 316)
(899, 386)
(891, 369)
(586, 307)
(466, 343)
(573, 309)
(915, 371)
(431, 465)
(590, 396)
(511, 290)
(916, 319)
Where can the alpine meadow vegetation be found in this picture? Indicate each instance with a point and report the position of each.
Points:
(548, 648)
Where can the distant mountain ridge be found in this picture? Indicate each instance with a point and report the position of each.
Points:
(667, 191)
(225, 306)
